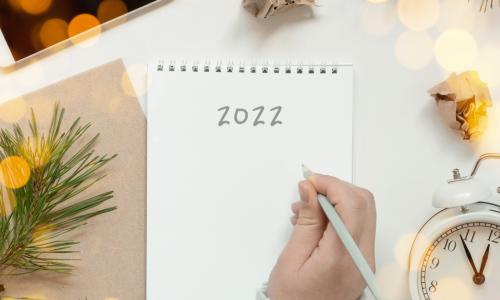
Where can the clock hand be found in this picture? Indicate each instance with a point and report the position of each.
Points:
(469, 256)
(485, 259)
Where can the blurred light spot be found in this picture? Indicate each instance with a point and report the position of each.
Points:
(459, 14)
(41, 233)
(15, 5)
(377, 1)
(134, 81)
(414, 49)
(35, 7)
(53, 31)
(452, 288)
(488, 65)
(418, 15)
(84, 23)
(81, 23)
(8, 202)
(36, 152)
(110, 9)
(15, 172)
(393, 281)
(34, 36)
(110, 298)
(490, 141)
(13, 110)
(37, 297)
(377, 19)
(402, 249)
(455, 50)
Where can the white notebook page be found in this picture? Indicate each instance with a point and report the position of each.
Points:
(219, 195)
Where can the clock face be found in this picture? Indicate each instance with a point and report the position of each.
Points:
(463, 263)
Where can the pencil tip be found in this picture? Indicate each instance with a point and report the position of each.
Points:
(306, 172)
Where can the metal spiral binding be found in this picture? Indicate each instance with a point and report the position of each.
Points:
(242, 68)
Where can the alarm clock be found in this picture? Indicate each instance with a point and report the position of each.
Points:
(456, 253)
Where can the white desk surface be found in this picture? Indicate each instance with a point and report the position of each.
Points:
(402, 150)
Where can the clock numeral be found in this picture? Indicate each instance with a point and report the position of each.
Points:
(450, 245)
(433, 287)
(494, 236)
(469, 237)
(434, 263)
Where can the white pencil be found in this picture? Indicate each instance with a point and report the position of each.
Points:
(346, 238)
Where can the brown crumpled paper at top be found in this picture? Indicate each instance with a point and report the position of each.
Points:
(462, 100)
(266, 8)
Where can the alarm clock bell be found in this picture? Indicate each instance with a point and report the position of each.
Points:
(463, 191)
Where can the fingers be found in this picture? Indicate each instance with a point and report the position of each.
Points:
(352, 203)
(356, 208)
(310, 224)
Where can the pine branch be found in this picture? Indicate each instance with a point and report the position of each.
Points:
(487, 4)
(50, 204)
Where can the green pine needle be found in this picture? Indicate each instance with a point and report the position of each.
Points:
(50, 205)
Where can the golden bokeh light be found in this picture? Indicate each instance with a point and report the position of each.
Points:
(414, 49)
(37, 297)
(110, 9)
(452, 288)
(392, 280)
(36, 152)
(15, 5)
(403, 248)
(82, 23)
(376, 19)
(418, 15)
(35, 7)
(8, 202)
(15, 172)
(13, 110)
(134, 82)
(488, 65)
(41, 232)
(53, 31)
(455, 50)
(489, 141)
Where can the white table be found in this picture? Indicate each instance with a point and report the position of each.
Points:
(402, 150)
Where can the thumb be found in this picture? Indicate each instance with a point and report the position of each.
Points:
(309, 228)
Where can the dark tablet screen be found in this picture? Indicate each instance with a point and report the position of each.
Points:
(33, 25)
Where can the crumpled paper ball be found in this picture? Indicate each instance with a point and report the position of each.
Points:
(462, 101)
(264, 9)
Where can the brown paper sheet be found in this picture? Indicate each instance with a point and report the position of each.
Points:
(264, 9)
(112, 258)
(462, 101)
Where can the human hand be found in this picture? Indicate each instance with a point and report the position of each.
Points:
(315, 264)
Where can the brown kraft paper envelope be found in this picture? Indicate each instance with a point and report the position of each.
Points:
(111, 261)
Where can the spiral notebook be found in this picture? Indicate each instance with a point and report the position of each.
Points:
(225, 148)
